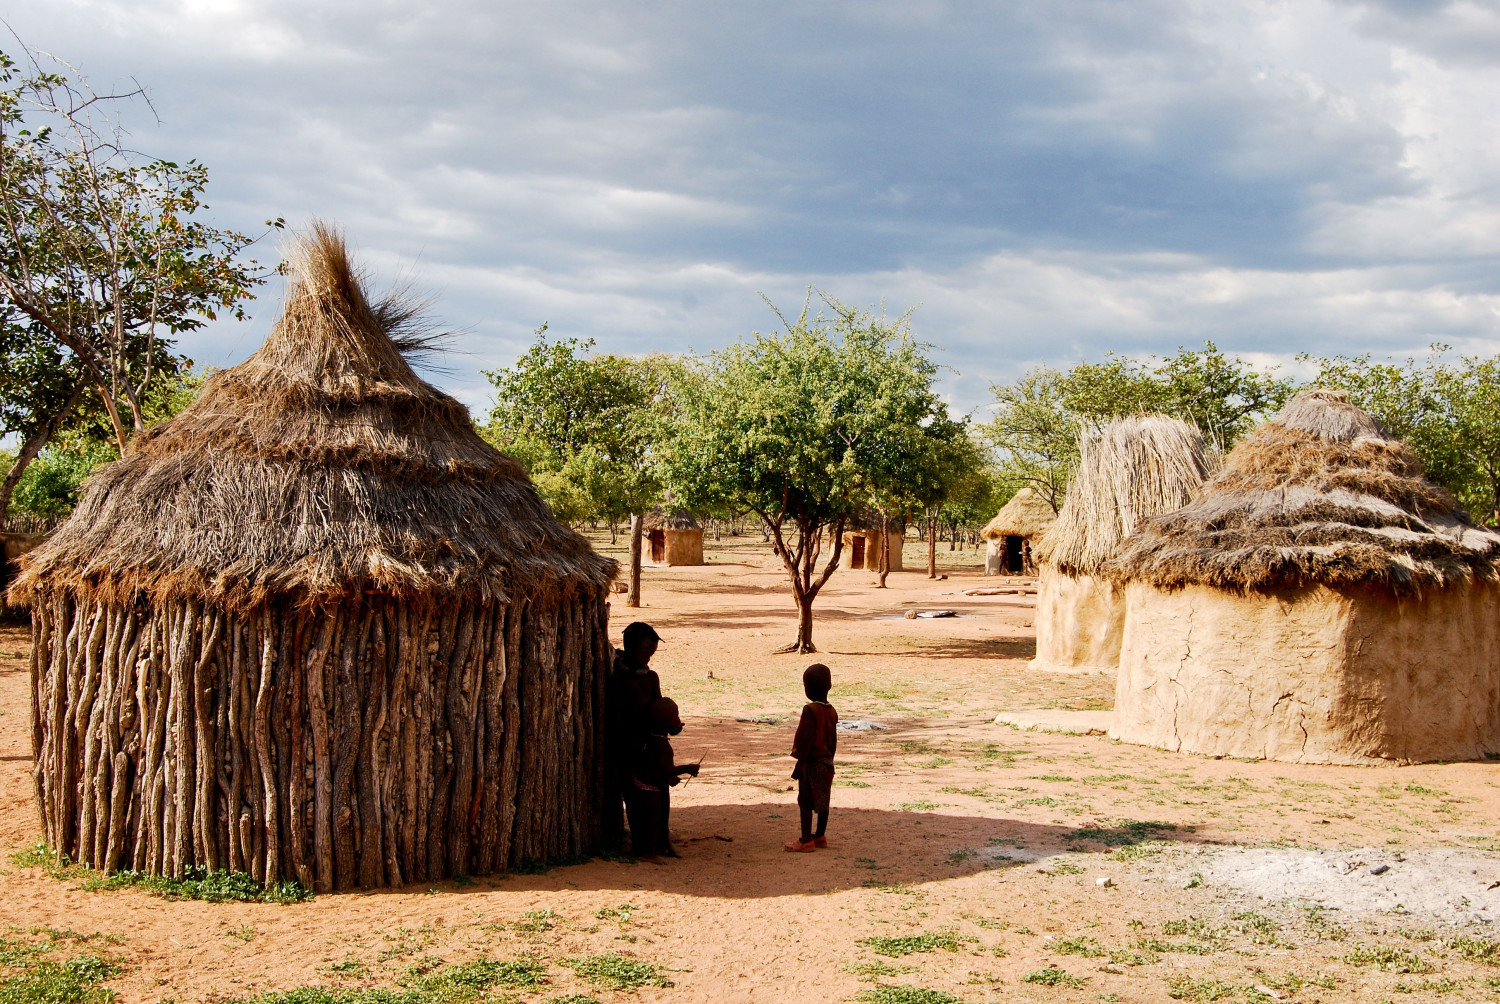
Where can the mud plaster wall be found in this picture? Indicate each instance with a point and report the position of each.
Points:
(684, 547)
(1079, 621)
(1312, 676)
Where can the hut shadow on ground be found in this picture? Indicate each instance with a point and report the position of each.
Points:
(868, 848)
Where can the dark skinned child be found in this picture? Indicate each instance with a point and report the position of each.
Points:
(648, 802)
(816, 741)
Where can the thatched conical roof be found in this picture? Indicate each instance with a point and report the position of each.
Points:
(677, 519)
(1131, 470)
(1025, 515)
(1321, 494)
(320, 467)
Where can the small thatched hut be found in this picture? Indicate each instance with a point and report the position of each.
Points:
(1131, 470)
(315, 628)
(1319, 602)
(1011, 534)
(676, 538)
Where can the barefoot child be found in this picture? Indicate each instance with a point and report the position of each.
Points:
(817, 739)
(653, 772)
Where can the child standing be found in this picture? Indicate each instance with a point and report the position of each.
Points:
(648, 803)
(817, 739)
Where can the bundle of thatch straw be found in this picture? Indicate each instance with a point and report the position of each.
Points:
(1132, 469)
(1319, 495)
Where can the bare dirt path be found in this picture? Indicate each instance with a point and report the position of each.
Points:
(980, 849)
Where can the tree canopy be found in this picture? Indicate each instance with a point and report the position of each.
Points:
(806, 426)
(583, 425)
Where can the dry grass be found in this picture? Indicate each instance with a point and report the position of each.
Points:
(1130, 471)
(1317, 496)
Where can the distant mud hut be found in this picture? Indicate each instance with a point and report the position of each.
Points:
(1319, 602)
(675, 538)
(1132, 469)
(314, 628)
(1012, 534)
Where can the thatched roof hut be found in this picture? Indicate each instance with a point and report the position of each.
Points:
(1027, 514)
(1011, 534)
(1130, 470)
(1319, 601)
(315, 628)
(676, 536)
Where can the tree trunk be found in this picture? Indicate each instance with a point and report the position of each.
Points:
(633, 598)
(33, 446)
(883, 561)
(932, 547)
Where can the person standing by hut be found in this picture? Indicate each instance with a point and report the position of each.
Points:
(315, 628)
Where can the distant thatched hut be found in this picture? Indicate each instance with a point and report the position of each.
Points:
(1319, 602)
(676, 538)
(1013, 531)
(315, 628)
(1130, 471)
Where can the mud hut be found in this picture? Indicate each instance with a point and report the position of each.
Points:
(1012, 533)
(676, 538)
(862, 545)
(315, 628)
(1132, 469)
(1318, 602)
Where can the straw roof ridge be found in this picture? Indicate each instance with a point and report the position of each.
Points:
(320, 467)
(1128, 471)
(1315, 496)
(678, 519)
(1025, 515)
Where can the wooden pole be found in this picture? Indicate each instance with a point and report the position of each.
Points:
(633, 598)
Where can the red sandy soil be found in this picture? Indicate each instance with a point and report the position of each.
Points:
(944, 823)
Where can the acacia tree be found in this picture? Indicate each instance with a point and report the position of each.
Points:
(103, 259)
(790, 426)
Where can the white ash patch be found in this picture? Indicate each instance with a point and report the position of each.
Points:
(1452, 885)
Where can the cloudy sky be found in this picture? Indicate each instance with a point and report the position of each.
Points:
(1048, 180)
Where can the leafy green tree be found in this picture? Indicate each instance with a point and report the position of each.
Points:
(1034, 434)
(103, 257)
(583, 425)
(803, 427)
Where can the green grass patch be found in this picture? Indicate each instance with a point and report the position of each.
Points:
(534, 921)
(905, 995)
(929, 941)
(1125, 833)
(921, 805)
(616, 972)
(37, 972)
(1388, 958)
(872, 971)
(1087, 947)
(197, 883)
(1054, 977)
(1188, 988)
(1473, 948)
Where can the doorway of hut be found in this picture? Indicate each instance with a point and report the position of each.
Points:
(1015, 555)
(658, 546)
(857, 551)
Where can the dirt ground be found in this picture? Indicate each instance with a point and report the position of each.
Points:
(1007, 865)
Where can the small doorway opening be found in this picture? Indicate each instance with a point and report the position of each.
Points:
(658, 546)
(1015, 557)
(857, 549)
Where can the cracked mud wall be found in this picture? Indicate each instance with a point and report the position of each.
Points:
(1079, 622)
(1313, 675)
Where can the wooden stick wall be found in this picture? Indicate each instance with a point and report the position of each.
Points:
(369, 744)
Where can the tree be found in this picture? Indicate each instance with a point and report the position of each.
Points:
(800, 427)
(581, 424)
(103, 259)
(1034, 434)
